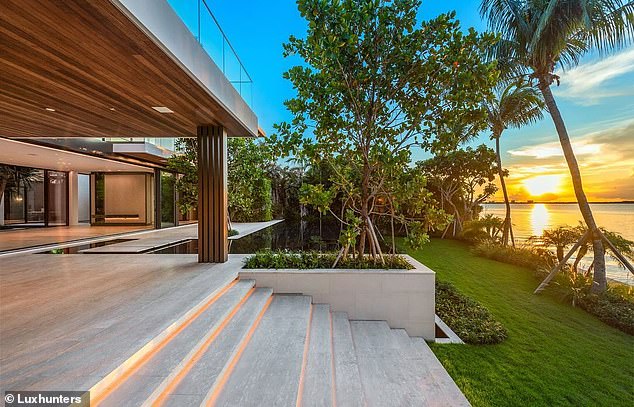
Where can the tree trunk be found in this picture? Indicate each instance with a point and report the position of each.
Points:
(600, 281)
(507, 225)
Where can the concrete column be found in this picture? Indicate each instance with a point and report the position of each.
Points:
(73, 199)
(212, 194)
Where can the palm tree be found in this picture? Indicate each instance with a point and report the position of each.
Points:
(538, 36)
(516, 105)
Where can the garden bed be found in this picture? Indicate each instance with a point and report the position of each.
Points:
(404, 297)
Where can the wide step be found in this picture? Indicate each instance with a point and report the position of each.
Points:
(140, 381)
(385, 372)
(268, 371)
(349, 391)
(200, 372)
(319, 375)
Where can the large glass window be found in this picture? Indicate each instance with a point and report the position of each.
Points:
(23, 196)
(168, 200)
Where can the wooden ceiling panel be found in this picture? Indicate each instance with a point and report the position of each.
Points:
(100, 73)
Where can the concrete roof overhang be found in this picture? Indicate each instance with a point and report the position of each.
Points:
(102, 65)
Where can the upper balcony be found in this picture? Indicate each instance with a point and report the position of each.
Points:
(201, 21)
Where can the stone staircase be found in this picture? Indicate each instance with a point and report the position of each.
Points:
(248, 347)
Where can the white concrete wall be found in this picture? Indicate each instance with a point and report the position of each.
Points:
(403, 298)
(83, 198)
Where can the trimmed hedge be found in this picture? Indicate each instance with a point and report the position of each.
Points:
(472, 322)
(269, 259)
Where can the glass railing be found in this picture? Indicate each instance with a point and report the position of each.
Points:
(202, 23)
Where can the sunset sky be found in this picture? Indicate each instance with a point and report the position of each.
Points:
(596, 100)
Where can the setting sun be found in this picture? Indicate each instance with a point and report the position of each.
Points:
(542, 184)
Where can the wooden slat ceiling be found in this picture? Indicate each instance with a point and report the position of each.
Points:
(100, 73)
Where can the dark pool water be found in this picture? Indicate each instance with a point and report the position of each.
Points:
(281, 236)
(77, 249)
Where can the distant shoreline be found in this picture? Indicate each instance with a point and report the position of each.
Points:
(560, 203)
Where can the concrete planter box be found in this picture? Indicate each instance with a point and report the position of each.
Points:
(403, 298)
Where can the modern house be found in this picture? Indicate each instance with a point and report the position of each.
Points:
(67, 182)
(85, 104)
(92, 94)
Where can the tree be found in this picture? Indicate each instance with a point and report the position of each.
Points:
(249, 186)
(13, 177)
(376, 83)
(516, 105)
(184, 162)
(538, 36)
(559, 238)
(463, 180)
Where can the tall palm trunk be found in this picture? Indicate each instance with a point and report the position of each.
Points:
(507, 231)
(600, 282)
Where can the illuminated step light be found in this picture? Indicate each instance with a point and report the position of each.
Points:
(162, 109)
(49, 109)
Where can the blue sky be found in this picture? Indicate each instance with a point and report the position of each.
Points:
(596, 99)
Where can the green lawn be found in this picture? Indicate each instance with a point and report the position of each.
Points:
(555, 354)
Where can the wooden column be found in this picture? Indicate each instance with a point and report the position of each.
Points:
(212, 194)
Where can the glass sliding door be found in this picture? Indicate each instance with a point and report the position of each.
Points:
(57, 198)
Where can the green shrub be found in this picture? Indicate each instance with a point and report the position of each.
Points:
(611, 308)
(468, 319)
(535, 258)
(233, 232)
(615, 307)
(269, 259)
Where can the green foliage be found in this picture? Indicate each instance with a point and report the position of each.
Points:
(349, 235)
(462, 180)
(516, 104)
(184, 162)
(249, 185)
(559, 238)
(14, 177)
(534, 258)
(553, 352)
(472, 322)
(269, 259)
(375, 83)
(615, 307)
(317, 196)
(483, 229)
(233, 232)
(612, 307)
(537, 37)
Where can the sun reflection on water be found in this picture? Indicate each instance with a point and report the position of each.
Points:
(540, 219)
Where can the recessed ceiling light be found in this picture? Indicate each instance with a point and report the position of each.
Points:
(50, 109)
(162, 109)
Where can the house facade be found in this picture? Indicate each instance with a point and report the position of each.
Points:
(93, 95)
